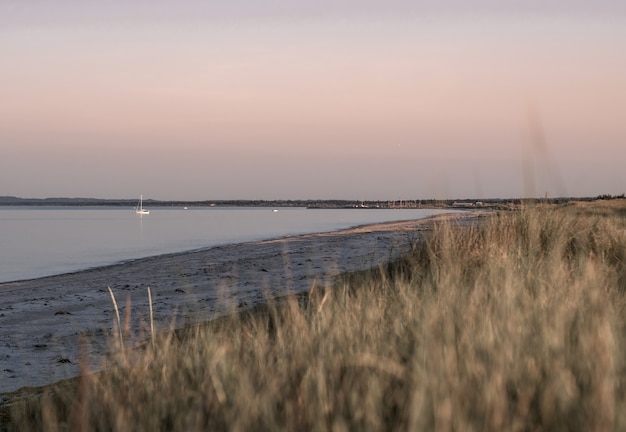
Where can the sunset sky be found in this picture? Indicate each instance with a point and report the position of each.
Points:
(319, 99)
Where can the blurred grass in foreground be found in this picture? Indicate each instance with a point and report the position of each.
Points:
(518, 323)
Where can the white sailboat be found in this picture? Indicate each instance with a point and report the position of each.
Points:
(139, 209)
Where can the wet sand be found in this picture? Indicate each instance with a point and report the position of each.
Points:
(47, 325)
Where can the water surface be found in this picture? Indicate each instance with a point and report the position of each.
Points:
(41, 241)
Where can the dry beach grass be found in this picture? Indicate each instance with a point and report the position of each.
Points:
(42, 321)
(517, 323)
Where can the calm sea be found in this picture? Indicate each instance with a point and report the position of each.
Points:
(43, 241)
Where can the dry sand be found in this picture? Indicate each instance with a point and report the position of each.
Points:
(44, 321)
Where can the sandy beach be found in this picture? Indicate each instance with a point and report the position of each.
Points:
(47, 325)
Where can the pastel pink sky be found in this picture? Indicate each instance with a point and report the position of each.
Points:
(312, 99)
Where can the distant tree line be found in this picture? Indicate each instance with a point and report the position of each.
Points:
(610, 197)
(321, 204)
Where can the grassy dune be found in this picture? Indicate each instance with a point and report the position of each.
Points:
(518, 323)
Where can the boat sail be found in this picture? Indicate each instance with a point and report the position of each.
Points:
(139, 209)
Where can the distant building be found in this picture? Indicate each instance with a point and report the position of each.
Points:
(462, 204)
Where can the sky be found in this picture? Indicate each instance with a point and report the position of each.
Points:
(312, 99)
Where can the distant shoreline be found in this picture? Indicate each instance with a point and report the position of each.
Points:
(491, 203)
(11, 201)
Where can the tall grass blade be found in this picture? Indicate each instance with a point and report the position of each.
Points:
(119, 321)
(151, 317)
